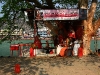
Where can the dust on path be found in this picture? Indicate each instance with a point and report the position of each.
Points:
(89, 65)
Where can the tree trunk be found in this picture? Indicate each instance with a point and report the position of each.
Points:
(88, 25)
(51, 27)
(86, 43)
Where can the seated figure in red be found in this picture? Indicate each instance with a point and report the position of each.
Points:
(37, 42)
(72, 35)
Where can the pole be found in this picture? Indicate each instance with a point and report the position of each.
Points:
(95, 43)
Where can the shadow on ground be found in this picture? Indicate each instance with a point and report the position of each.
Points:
(32, 66)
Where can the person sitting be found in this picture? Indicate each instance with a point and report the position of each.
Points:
(69, 51)
(64, 49)
(63, 52)
(47, 47)
(75, 48)
(47, 44)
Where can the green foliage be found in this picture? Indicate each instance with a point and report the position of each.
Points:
(12, 10)
(71, 2)
(12, 7)
(97, 13)
(66, 3)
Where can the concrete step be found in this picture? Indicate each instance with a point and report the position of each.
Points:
(39, 55)
(48, 55)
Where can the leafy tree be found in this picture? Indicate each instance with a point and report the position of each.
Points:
(13, 9)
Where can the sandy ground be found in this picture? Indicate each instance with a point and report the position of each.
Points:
(89, 65)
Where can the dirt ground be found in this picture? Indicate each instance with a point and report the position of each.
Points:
(89, 65)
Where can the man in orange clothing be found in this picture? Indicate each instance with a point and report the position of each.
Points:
(64, 49)
(62, 52)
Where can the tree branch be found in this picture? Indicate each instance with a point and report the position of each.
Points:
(29, 4)
(50, 4)
(92, 10)
(39, 5)
(50, 26)
(83, 4)
(36, 2)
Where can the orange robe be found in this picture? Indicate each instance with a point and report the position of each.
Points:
(72, 35)
(62, 52)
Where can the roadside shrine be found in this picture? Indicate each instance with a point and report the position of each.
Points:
(59, 16)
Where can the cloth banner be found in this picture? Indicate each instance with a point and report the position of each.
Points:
(61, 14)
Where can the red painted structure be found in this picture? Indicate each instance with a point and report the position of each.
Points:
(18, 48)
(14, 47)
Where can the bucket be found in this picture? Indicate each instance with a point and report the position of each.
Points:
(17, 68)
(80, 52)
(32, 52)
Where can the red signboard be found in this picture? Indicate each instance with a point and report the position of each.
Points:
(61, 14)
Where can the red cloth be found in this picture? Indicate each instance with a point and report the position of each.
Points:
(37, 43)
(51, 52)
(80, 52)
(14, 47)
(31, 52)
(62, 52)
(72, 35)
